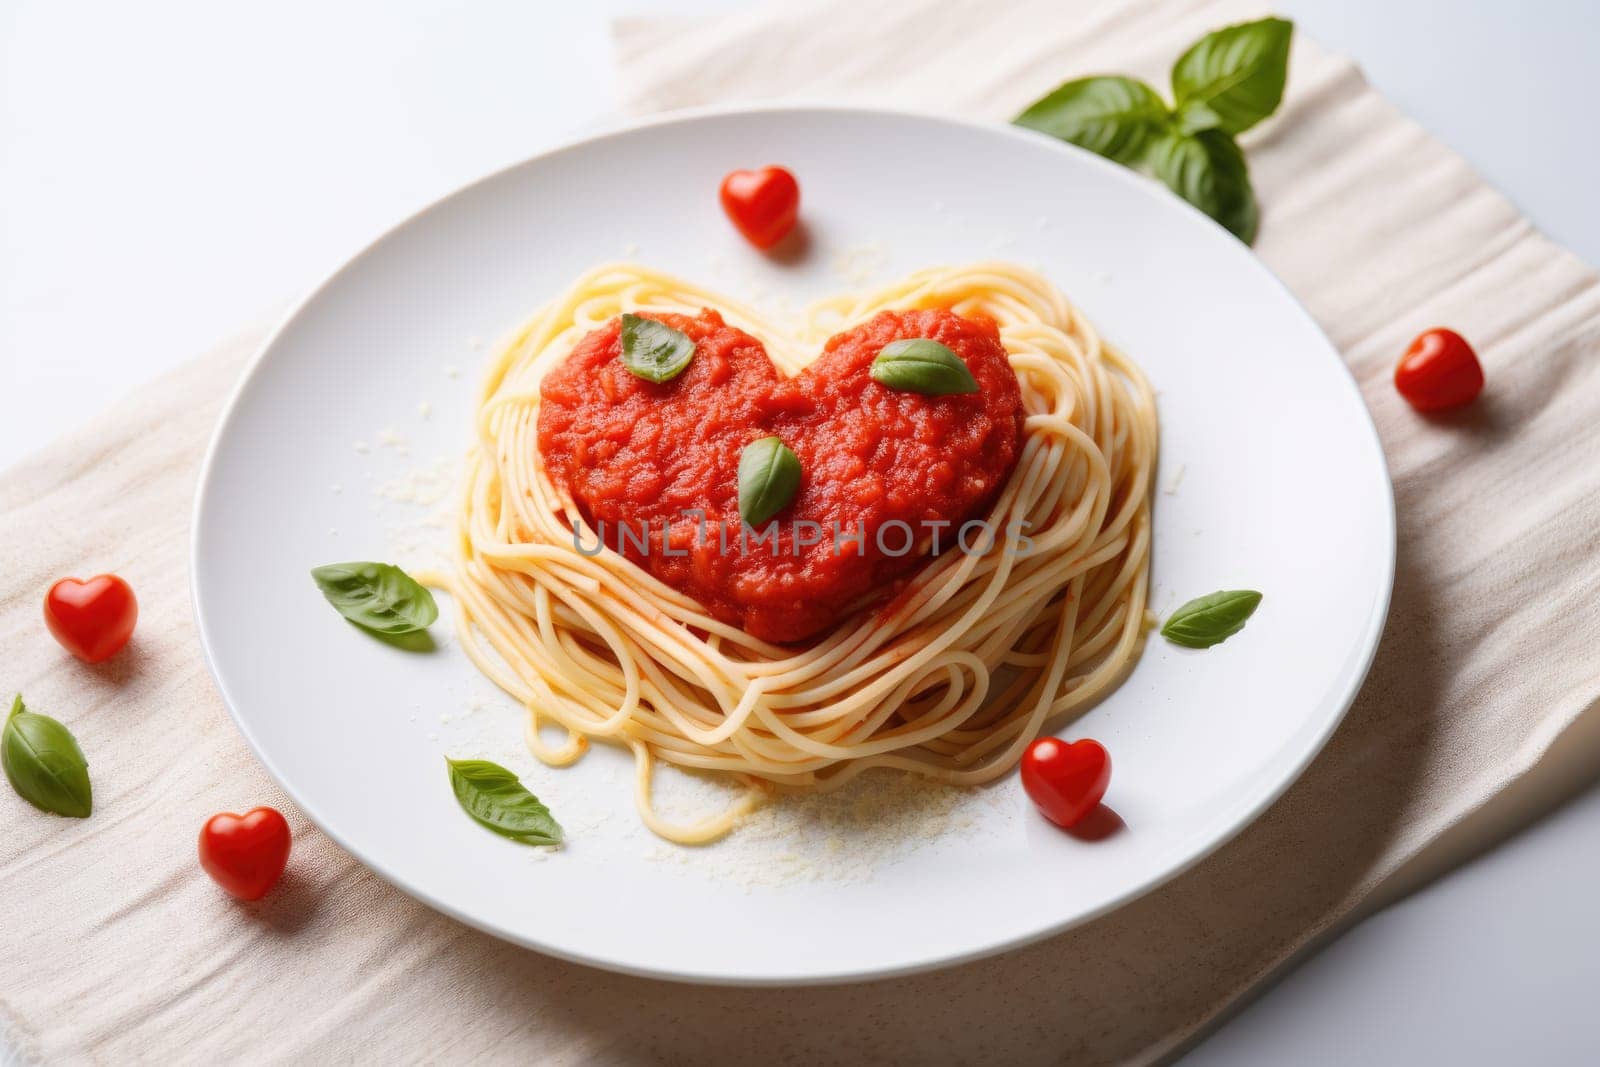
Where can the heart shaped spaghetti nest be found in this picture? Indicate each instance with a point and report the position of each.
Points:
(980, 647)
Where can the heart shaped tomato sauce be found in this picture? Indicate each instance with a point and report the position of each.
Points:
(655, 458)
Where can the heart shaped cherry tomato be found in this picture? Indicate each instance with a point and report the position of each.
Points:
(245, 854)
(1065, 781)
(92, 619)
(1440, 370)
(763, 204)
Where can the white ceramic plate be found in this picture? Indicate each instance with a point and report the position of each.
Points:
(346, 428)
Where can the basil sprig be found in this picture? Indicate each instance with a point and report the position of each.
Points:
(1224, 84)
(495, 799)
(1210, 620)
(653, 350)
(377, 596)
(920, 365)
(769, 476)
(44, 764)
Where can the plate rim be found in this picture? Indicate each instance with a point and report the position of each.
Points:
(685, 973)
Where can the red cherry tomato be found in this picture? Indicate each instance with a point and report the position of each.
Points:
(763, 204)
(1065, 781)
(245, 854)
(92, 619)
(1439, 371)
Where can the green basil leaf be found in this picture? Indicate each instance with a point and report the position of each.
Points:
(495, 798)
(653, 350)
(769, 477)
(1208, 170)
(1195, 117)
(1210, 620)
(1111, 116)
(44, 764)
(918, 365)
(377, 597)
(1233, 78)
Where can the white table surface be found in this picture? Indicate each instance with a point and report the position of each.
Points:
(175, 169)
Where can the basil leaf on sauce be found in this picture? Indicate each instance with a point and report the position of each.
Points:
(918, 365)
(495, 799)
(1233, 78)
(377, 597)
(1208, 170)
(1112, 116)
(769, 476)
(653, 350)
(1209, 620)
(44, 764)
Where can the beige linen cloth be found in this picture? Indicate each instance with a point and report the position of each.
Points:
(117, 949)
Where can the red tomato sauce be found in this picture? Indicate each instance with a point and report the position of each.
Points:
(627, 450)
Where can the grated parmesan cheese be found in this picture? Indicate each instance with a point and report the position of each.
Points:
(858, 264)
